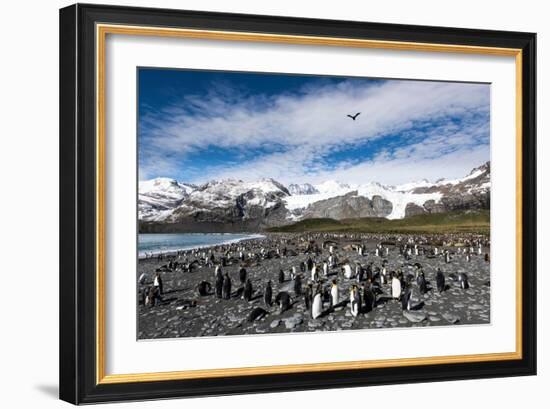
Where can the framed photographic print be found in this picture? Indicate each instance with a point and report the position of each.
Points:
(257, 203)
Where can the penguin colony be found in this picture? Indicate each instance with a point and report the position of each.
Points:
(315, 282)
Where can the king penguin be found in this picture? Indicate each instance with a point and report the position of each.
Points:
(268, 294)
(217, 272)
(283, 299)
(347, 271)
(334, 297)
(317, 305)
(219, 286)
(308, 296)
(314, 273)
(406, 300)
(463, 281)
(298, 285)
(440, 280)
(247, 293)
(242, 275)
(421, 281)
(369, 298)
(354, 300)
(226, 291)
(395, 286)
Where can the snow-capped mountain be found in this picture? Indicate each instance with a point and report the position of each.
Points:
(159, 196)
(303, 189)
(230, 205)
(297, 204)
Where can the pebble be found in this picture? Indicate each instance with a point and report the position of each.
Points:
(291, 323)
(414, 316)
(451, 318)
(275, 323)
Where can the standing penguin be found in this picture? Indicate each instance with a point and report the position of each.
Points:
(308, 296)
(383, 275)
(242, 275)
(440, 280)
(298, 285)
(247, 293)
(317, 305)
(395, 286)
(157, 282)
(268, 294)
(142, 278)
(334, 296)
(309, 264)
(281, 276)
(314, 273)
(421, 281)
(406, 300)
(347, 271)
(217, 272)
(369, 273)
(359, 273)
(325, 269)
(463, 281)
(219, 286)
(226, 290)
(354, 300)
(369, 298)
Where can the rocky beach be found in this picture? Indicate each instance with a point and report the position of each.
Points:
(186, 304)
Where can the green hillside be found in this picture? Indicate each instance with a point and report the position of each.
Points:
(453, 222)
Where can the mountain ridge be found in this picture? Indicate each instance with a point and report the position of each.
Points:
(238, 205)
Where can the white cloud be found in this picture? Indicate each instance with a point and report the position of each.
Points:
(310, 125)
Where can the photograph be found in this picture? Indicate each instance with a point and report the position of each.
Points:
(256, 201)
(274, 203)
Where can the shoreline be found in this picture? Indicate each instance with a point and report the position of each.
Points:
(143, 256)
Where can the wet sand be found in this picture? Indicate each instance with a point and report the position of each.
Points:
(182, 312)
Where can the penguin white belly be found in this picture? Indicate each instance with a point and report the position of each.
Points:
(354, 305)
(317, 307)
(395, 288)
(314, 273)
(334, 295)
(347, 271)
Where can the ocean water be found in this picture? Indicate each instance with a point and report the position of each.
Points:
(162, 243)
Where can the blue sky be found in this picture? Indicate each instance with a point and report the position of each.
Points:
(195, 126)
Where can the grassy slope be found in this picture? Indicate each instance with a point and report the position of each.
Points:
(453, 222)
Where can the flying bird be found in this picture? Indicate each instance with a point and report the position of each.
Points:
(354, 116)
